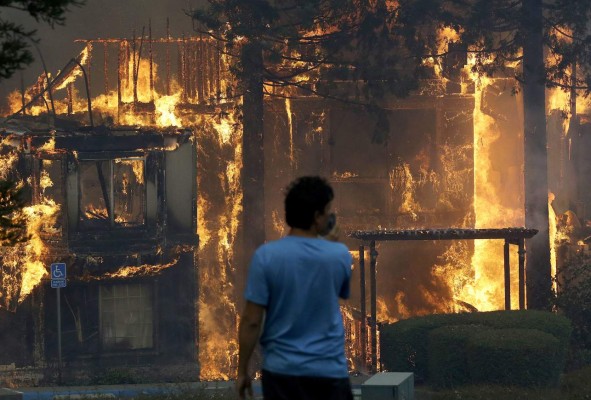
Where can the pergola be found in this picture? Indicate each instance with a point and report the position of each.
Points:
(511, 236)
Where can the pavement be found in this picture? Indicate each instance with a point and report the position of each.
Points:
(107, 392)
(111, 391)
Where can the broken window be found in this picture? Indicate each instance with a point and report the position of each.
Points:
(112, 193)
(128, 182)
(126, 316)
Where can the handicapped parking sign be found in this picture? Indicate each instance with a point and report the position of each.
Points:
(58, 275)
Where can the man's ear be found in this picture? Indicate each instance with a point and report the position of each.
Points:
(317, 215)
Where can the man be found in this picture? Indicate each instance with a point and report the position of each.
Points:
(294, 285)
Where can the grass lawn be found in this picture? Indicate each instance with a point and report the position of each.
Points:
(574, 386)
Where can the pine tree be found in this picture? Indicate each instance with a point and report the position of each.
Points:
(13, 228)
(15, 39)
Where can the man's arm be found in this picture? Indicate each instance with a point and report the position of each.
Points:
(248, 334)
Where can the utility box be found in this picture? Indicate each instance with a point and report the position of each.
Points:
(389, 386)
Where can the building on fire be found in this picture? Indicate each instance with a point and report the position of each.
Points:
(112, 183)
(117, 207)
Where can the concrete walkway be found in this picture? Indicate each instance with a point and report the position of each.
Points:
(107, 392)
(114, 391)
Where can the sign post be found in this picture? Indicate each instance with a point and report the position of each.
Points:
(58, 281)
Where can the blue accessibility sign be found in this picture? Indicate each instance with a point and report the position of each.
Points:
(58, 275)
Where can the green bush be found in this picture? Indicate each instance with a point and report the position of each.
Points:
(404, 344)
(514, 357)
(573, 299)
(448, 366)
(554, 324)
(114, 376)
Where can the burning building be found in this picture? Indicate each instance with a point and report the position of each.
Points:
(123, 221)
(112, 181)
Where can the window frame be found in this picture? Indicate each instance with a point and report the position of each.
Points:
(154, 320)
(110, 158)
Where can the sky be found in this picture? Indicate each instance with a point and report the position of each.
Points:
(96, 19)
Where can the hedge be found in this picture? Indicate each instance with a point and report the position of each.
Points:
(447, 362)
(514, 357)
(404, 344)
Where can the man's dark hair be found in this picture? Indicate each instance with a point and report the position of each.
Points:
(305, 196)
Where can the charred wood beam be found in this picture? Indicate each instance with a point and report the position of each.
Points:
(181, 69)
(210, 70)
(507, 276)
(373, 260)
(362, 306)
(218, 79)
(101, 177)
(134, 82)
(23, 100)
(119, 77)
(168, 57)
(70, 91)
(89, 143)
(512, 234)
(87, 84)
(106, 67)
(151, 60)
(193, 71)
(200, 65)
(162, 40)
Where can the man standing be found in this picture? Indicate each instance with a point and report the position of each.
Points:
(294, 285)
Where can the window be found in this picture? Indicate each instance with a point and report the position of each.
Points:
(126, 316)
(112, 193)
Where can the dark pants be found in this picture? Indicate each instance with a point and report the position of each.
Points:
(290, 387)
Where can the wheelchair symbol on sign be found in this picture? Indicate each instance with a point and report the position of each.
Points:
(58, 271)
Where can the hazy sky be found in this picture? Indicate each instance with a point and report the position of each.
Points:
(97, 19)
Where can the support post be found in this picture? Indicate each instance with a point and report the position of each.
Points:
(373, 254)
(521, 253)
(59, 336)
(119, 70)
(507, 276)
(167, 57)
(362, 306)
(151, 56)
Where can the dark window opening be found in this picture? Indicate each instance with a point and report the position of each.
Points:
(126, 316)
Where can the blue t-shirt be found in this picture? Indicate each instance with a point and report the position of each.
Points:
(299, 280)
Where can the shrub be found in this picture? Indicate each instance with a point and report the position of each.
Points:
(114, 376)
(404, 344)
(556, 325)
(448, 366)
(519, 357)
(573, 299)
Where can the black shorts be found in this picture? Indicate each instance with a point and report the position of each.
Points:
(290, 387)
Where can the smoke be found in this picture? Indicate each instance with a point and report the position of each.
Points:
(96, 19)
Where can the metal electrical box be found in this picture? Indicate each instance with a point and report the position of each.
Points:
(389, 386)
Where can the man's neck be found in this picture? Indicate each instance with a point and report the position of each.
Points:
(311, 233)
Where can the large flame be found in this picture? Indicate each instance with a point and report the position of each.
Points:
(218, 228)
(487, 290)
